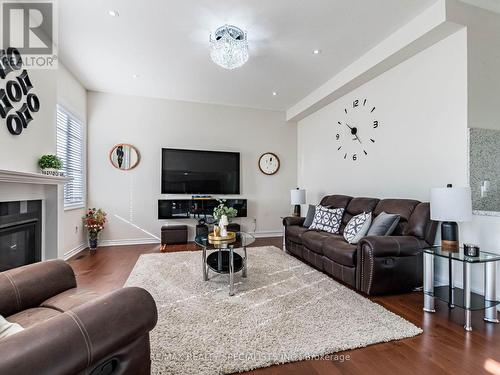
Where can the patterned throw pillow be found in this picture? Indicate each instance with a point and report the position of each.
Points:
(357, 227)
(327, 219)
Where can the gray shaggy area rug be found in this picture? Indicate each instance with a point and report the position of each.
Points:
(284, 311)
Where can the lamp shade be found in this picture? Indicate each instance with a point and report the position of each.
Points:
(298, 196)
(451, 204)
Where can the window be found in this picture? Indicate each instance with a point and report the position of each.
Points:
(70, 143)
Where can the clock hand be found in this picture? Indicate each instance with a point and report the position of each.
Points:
(354, 132)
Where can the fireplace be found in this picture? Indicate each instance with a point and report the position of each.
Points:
(20, 233)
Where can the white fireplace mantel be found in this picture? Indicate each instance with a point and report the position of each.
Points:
(31, 178)
(16, 185)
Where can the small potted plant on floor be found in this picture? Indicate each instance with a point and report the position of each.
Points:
(50, 165)
(94, 221)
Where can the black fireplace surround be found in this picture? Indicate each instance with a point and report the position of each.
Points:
(20, 233)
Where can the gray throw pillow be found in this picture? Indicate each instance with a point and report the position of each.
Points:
(384, 224)
(310, 216)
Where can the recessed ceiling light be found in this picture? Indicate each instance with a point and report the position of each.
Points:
(316, 52)
(113, 13)
(275, 93)
(135, 76)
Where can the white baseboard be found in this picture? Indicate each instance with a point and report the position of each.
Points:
(133, 241)
(270, 233)
(74, 251)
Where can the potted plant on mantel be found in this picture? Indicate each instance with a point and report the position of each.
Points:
(94, 221)
(50, 165)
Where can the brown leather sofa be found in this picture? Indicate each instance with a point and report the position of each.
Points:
(71, 331)
(377, 264)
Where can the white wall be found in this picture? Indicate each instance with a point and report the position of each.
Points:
(422, 108)
(483, 34)
(130, 197)
(21, 152)
(73, 96)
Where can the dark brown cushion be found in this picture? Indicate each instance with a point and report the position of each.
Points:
(29, 317)
(313, 240)
(338, 250)
(294, 233)
(335, 201)
(69, 299)
(419, 219)
(403, 207)
(357, 206)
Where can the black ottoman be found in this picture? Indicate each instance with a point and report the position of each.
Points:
(234, 227)
(173, 234)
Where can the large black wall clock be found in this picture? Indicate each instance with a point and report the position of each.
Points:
(356, 130)
(17, 103)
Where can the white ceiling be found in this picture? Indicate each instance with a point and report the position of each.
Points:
(492, 5)
(166, 44)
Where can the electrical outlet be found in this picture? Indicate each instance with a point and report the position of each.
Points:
(254, 220)
(76, 229)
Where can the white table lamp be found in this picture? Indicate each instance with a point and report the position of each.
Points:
(451, 205)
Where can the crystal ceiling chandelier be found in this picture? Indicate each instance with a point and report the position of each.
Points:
(229, 47)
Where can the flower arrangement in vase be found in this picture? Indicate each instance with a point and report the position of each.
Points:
(223, 214)
(94, 221)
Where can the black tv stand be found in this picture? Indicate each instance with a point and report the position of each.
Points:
(196, 208)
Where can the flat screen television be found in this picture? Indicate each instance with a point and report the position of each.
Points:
(199, 172)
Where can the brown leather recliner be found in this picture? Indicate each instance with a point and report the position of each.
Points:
(71, 331)
(377, 264)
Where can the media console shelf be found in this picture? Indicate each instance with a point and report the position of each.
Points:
(196, 208)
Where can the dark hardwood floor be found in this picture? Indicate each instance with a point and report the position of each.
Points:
(444, 347)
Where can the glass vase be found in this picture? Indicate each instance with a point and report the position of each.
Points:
(93, 240)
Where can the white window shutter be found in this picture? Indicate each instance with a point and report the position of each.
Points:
(70, 143)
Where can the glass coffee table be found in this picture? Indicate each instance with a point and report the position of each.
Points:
(223, 258)
(461, 297)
